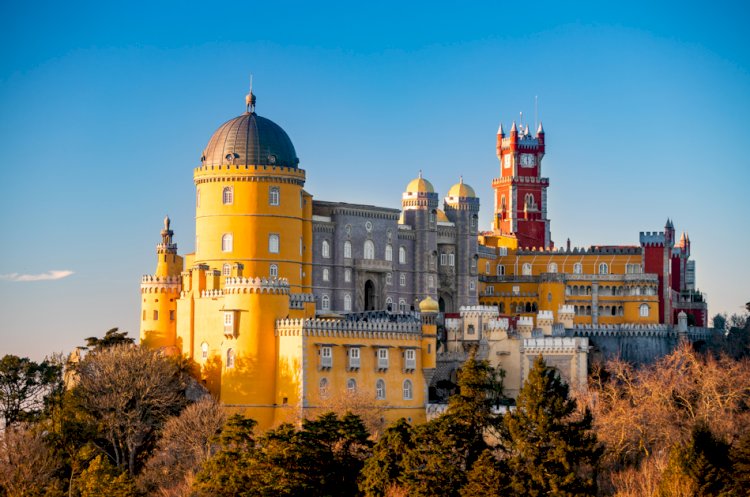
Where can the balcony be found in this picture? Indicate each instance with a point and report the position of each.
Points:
(374, 265)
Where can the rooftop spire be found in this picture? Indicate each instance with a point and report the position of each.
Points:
(513, 128)
(540, 129)
(500, 130)
(250, 98)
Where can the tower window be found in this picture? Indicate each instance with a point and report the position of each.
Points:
(347, 275)
(486, 268)
(354, 358)
(644, 310)
(325, 250)
(451, 259)
(526, 269)
(273, 243)
(500, 270)
(326, 357)
(347, 249)
(351, 385)
(171, 315)
(226, 242)
(226, 270)
(323, 388)
(227, 195)
(389, 303)
(230, 358)
(156, 315)
(273, 195)
(326, 274)
(410, 359)
(402, 279)
(408, 390)
(273, 271)
(325, 303)
(229, 323)
(603, 268)
(389, 279)
(401, 255)
(382, 358)
(402, 305)
(347, 302)
(577, 268)
(388, 252)
(552, 267)
(204, 351)
(369, 249)
(380, 390)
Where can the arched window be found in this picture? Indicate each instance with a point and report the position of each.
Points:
(644, 310)
(389, 279)
(380, 390)
(408, 390)
(430, 281)
(402, 279)
(526, 269)
(230, 358)
(204, 350)
(323, 388)
(500, 270)
(401, 255)
(273, 271)
(227, 195)
(347, 249)
(326, 274)
(347, 302)
(326, 249)
(389, 303)
(369, 249)
(325, 302)
(577, 268)
(273, 243)
(388, 252)
(470, 330)
(401, 305)
(347, 275)
(351, 385)
(226, 242)
(603, 268)
(226, 270)
(552, 267)
(273, 195)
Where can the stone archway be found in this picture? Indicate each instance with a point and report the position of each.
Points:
(445, 302)
(371, 298)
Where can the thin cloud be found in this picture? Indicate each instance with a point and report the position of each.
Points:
(49, 275)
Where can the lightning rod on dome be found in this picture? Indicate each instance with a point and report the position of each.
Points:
(250, 98)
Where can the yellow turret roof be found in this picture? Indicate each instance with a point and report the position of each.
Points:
(461, 189)
(441, 217)
(429, 305)
(420, 185)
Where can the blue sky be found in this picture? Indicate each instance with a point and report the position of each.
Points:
(104, 111)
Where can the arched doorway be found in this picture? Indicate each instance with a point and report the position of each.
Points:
(370, 297)
(441, 304)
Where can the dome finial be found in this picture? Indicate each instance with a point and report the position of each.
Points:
(250, 98)
(461, 179)
(420, 174)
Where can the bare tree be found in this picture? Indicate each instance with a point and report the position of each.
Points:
(185, 444)
(28, 465)
(128, 393)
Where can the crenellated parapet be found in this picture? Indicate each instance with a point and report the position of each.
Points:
(652, 238)
(483, 311)
(256, 285)
(452, 324)
(633, 330)
(161, 284)
(298, 300)
(244, 172)
(554, 345)
(384, 330)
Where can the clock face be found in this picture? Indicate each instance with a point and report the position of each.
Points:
(528, 160)
(506, 160)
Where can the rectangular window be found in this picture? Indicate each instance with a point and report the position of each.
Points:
(402, 305)
(144, 315)
(273, 243)
(451, 259)
(171, 315)
(490, 290)
(273, 195)
(326, 357)
(156, 315)
(402, 279)
(410, 359)
(229, 323)
(382, 358)
(443, 259)
(354, 358)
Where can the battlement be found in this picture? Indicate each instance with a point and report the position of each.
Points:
(256, 285)
(541, 345)
(545, 316)
(498, 324)
(160, 284)
(525, 321)
(593, 250)
(478, 310)
(298, 300)
(652, 238)
(565, 309)
(353, 329)
(630, 330)
(452, 324)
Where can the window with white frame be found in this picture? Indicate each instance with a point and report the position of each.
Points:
(347, 302)
(227, 195)
(230, 358)
(273, 243)
(402, 305)
(204, 351)
(273, 271)
(472, 285)
(380, 390)
(603, 268)
(273, 195)
(323, 388)
(325, 249)
(489, 290)
(633, 268)
(402, 279)
(644, 310)
(354, 358)
(229, 322)
(351, 385)
(382, 358)
(551, 267)
(486, 268)
(347, 249)
(369, 250)
(526, 269)
(500, 270)
(388, 278)
(408, 390)
(389, 252)
(410, 359)
(226, 242)
(326, 274)
(326, 357)
(443, 259)
(347, 275)
(226, 270)
(451, 259)
(577, 268)
(325, 303)
(389, 303)
(401, 255)
(430, 281)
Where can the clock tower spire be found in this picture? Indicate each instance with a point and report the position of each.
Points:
(521, 191)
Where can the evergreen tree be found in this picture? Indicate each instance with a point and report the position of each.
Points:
(551, 451)
(101, 478)
(740, 458)
(485, 478)
(24, 387)
(110, 338)
(382, 471)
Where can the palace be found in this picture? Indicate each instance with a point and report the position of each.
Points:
(288, 302)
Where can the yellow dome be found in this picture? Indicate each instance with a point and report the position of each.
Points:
(461, 189)
(419, 185)
(429, 305)
(441, 217)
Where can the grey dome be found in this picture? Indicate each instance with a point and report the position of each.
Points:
(249, 140)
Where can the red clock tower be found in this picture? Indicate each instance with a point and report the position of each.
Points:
(520, 191)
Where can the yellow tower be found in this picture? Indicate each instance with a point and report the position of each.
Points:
(159, 294)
